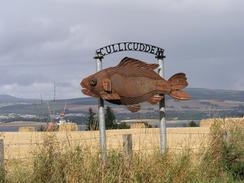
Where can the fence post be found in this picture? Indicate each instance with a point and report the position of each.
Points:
(1, 154)
(227, 137)
(127, 146)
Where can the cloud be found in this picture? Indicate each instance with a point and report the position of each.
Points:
(44, 90)
(55, 40)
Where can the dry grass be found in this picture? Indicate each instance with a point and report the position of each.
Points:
(221, 162)
(52, 161)
(21, 145)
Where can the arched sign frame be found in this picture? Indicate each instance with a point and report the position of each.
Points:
(130, 46)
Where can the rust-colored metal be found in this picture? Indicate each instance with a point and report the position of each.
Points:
(133, 81)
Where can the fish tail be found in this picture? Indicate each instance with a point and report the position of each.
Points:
(178, 82)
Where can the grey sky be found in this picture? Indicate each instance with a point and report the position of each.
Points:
(54, 40)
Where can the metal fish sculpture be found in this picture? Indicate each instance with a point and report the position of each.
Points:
(131, 82)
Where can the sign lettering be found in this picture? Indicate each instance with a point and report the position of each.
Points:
(129, 46)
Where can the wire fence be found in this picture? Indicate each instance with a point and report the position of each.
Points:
(22, 146)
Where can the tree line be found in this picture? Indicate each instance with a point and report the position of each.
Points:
(110, 120)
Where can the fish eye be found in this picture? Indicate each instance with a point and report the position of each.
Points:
(93, 82)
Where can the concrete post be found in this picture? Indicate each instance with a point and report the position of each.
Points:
(127, 146)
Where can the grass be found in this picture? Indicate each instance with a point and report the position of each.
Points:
(222, 161)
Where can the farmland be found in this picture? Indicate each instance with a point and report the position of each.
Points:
(65, 156)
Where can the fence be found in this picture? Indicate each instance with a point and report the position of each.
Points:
(21, 145)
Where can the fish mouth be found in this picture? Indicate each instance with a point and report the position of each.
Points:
(84, 84)
(89, 93)
(86, 89)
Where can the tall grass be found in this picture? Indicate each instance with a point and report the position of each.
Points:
(222, 161)
(225, 155)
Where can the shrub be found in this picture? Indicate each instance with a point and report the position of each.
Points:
(192, 124)
(225, 154)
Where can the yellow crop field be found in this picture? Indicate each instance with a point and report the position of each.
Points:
(226, 121)
(71, 155)
(22, 144)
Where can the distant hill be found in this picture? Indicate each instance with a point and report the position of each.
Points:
(84, 101)
(215, 94)
(196, 94)
(216, 103)
(11, 99)
(8, 98)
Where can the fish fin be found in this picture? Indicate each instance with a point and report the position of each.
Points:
(107, 86)
(89, 93)
(180, 95)
(134, 108)
(152, 66)
(178, 81)
(155, 99)
(109, 96)
(131, 62)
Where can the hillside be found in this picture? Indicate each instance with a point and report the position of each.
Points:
(12, 100)
(211, 94)
(196, 94)
(9, 99)
(204, 103)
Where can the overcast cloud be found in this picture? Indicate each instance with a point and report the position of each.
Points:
(55, 40)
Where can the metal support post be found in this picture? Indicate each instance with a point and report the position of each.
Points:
(101, 118)
(163, 135)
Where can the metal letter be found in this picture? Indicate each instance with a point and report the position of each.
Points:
(114, 50)
(129, 44)
(148, 47)
(142, 47)
(108, 49)
(120, 49)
